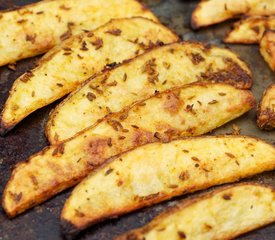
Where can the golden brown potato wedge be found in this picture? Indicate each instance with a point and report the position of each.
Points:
(35, 28)
(210, 12)
(157, 172)
(187, 111)
(64, 67)
(266, 109)
(267, 48)
(158, 70)
(250, 30)
(224, 213)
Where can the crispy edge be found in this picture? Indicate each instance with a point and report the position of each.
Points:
(5, 127)
(243, 81)
(71, 231)
(250, 100)
(266, 116)
(236, 26)
(267, 47)
(189, 202)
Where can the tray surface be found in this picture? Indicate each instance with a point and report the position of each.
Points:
(43, 222)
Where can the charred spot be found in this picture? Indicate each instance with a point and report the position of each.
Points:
(142, 137)
(96, 151)
(33, 93)
(121, 137)
(59, 85)
(256, 29)
(157, 135)
(97, 43)
(96, 88)
(222, 94)
(115, 32)
(119, 183)
(190, 108)
(227, 196)
(40, 12)
(31, 38)
(125, 77)
(172, 103)
(26, 77)
(110, 142)
(232, 73)
(196, 58)
(173, 186)
(111, 65)
(79, 56)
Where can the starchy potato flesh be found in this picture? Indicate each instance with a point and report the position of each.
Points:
(66, 66)
(224, 213)
(158, 70)
(266, 110)
(250, 30)
(267, 48)
(186, 111)
(210, 12)
(35, 28)
(158, 171)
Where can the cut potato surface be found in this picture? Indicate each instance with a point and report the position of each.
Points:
(210, 12)
(158, 70)
(158, 172)
(267, 48)
(266, 109)
(250, 30)
(69, 64)
(185, 111)
(224, 213)
(35, 28)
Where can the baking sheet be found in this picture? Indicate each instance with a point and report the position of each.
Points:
(42, 222)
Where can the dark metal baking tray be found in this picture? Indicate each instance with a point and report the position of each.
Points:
(42, 222)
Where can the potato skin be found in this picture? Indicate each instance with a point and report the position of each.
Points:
(168, 170)
(228, 199)
(161, 68)
(69, 64)
(250, 30)
(266, 109)
(25, 31)
(209, 12)
(180, 112)
(267, 48)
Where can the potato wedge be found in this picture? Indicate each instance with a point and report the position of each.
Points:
(266, 109)
(185, 111)
(250, 30)
(210, 12)
(160, 69)
(267, 48)
(35, 28)
(66, 66)
(224, 213)
(157, 172)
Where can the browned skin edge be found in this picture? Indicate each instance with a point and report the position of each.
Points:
(60, 187)
(186, 203)
(245, 83)
(5, 128)
(268, 113)
(71, 230)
